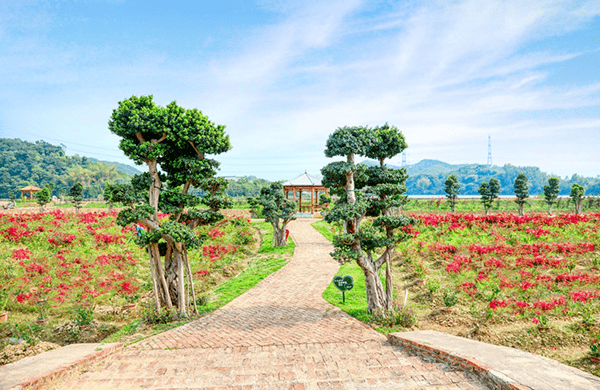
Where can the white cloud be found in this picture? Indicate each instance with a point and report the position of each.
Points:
(447, 73)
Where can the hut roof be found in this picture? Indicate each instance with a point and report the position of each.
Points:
(305, 179)
(30, 189)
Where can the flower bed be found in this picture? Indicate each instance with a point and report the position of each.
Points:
(529, 282)
(55, 263)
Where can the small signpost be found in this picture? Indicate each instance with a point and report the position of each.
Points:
(343, 284)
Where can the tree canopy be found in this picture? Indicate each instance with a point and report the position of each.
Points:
(452, 189)
(277, 210)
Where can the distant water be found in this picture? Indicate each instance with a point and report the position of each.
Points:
(472, 196)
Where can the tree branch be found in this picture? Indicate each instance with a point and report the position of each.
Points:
(140, 137)
(161, 139)
(151, 224)
(200, 155)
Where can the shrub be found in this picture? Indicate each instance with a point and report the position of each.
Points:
(450, 298)
(402, 316)
(83, 316)
(163, 316)
(433, 286)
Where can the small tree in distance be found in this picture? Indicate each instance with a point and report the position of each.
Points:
(43, 198)
(76, 193)
(486, 199)
(577, 192)
(521, 191)
(489, 192)
(452, 190)
(109, 193)
(494, 188)
(551, 192)
(277, 210)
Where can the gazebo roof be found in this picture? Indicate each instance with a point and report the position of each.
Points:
(305, 179)
(30, 189)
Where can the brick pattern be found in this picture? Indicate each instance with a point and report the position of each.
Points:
(285, 308)
(279, 335)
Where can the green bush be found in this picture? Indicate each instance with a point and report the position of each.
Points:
(402, 316)
(82, 316)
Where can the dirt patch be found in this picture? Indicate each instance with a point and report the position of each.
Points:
(12, 353)
(71, 333)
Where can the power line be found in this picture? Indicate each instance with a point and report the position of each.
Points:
(43, 138)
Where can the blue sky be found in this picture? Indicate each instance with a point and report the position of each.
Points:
(284, 75)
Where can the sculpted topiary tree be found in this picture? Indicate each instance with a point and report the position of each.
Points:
(43, 197)
(277, 210)
(489, 192)
(452, 189)
(76, 194)
(551, 192)
(110, 193)
(521, 191)
(370, 244)
(577, 193)
(176, 140)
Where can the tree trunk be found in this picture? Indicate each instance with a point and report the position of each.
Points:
(155, 288)
(389, 287)
(550, 209)
(452, 205)
(350, 182)
(172, 272)
(190, 280)
(376, 296)
(279, 234)
(486, 210)
(163, 286)
(154, 186)
(180, 281)
(521, 212)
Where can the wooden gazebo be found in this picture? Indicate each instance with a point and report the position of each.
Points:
(303, 184)
(30, 189)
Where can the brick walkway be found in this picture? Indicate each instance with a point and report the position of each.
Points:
(279, 335)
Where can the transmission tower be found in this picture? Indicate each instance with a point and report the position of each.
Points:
(489, 163)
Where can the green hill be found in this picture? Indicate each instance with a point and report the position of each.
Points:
(37, 163)
(127, 169)
(427, 178)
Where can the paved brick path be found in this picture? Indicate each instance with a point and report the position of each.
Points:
(279, 335)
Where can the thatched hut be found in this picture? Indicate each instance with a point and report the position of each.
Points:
(31, 189)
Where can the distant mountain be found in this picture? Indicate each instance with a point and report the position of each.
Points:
(38, 163)
(427, 178)
(127, 169)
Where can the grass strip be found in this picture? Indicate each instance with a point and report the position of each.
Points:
(268, 260)
(356, 299)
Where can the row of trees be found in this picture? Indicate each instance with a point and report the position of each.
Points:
(489, 191)
(428, 176)
(44, 196)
